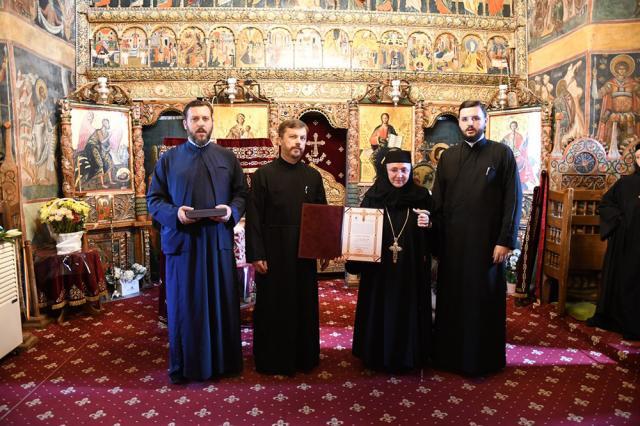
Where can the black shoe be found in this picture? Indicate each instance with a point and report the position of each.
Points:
(178, 379)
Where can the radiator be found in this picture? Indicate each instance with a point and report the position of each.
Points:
(10, 323)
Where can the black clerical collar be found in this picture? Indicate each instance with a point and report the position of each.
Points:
(288, 164)
(199, 146)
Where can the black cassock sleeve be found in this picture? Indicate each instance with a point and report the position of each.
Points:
(511, 202)
(255, 216)
(611, 214)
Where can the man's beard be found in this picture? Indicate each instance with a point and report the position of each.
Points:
(195, 137)
(475, 137)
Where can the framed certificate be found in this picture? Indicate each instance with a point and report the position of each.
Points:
(362, 234)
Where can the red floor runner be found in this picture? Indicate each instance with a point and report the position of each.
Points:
(112, 370)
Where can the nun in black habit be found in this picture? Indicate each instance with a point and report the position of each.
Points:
(619, 299)
(392, 330)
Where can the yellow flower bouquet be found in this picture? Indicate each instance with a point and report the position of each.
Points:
(64, 215)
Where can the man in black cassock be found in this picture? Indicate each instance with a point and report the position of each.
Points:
(286, 329)
(477, 196)
(203, 307)
(619, 298)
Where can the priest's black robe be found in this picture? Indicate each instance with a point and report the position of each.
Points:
(286, 328)
(203, 307)
(477, 196)
(392, 331)
(619, 298)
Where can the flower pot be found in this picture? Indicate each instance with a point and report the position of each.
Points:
(69, 242)
(511, 288)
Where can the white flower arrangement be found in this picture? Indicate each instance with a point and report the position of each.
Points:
(511, 264)
(118, 275)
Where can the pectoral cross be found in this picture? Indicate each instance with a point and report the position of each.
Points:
(315, 144)
(395, 248)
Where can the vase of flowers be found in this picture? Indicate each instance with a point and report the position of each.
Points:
(126, 281)
(510, 271)
(65, 218)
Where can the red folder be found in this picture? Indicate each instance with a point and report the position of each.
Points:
(320, 231)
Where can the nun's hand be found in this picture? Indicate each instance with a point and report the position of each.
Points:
(423, 218)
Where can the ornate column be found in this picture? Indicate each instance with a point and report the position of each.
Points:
(66, 163)
(353, 149)
(138, 158)
(419, 124)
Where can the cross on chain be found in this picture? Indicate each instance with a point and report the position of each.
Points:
(395, 249)
(315, 144)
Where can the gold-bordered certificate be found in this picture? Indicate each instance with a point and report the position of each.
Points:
(362, 234)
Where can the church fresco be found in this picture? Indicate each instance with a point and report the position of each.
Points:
(162, 48)
(105, 50)
(365, 50)
(308, 49)
(222, 50)
(391, 53)
(615, 101)
(279, 48)
(419, 52)
(134, 52)
(473, 57)
(497, 55)
(5, 100)
(250, 49)
(607, 10)
(549, 19)
(445, 53)
(39, 85)
(337, 50)
(466, 7)
(57, 17)
(191, 48)
(564, 86)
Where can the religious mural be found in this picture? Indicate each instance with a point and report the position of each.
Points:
(280, 49)
(105, 51)
(337, 50)
(222, 48)
(250, 48)
(38, 86)
(134, 51)
(466, 7)
(419, 52)
(615, 101)
(308, 49)
(305, 48)
(549, 19)
(162, 48)
(5, 97)
(191, 48)
(605, 10)
(57, 17)
(564, 87)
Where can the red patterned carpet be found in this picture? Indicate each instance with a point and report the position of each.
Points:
(111, 370)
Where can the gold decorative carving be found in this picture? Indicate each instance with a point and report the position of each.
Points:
(432, 111)
(66, 162)
(334, 190)
(150, 111)
(353, 148)
(348, 18)
(336, 114)
(419, 124)
(138, 159)
(99, 92)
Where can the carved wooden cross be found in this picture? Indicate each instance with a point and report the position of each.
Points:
(395, 248)
(315, 144)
